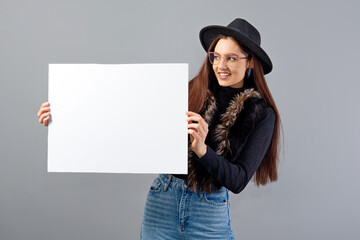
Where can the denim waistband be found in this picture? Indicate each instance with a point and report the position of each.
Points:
(174, 182)
(170, 180)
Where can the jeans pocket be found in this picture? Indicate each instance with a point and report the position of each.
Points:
(156, 185)
(217, 198)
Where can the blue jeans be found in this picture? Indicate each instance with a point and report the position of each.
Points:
(173, 211)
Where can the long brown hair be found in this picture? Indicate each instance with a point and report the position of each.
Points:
(206, 79)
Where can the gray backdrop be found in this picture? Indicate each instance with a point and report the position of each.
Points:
(315, 51)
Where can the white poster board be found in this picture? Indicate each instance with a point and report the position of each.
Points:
(118, 118)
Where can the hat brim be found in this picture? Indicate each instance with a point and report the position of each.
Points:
(208, 34)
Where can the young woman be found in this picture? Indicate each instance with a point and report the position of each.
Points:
(234, 131)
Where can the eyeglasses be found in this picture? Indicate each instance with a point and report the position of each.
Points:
(231, 60)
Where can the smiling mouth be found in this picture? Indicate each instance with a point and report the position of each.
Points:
(224, 75)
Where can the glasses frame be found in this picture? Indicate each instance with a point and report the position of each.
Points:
(248, 57)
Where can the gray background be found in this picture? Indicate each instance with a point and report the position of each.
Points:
(315, 51)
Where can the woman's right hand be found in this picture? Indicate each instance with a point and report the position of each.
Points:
(44, 113)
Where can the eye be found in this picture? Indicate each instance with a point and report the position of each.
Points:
(232, 58)
(216, 57)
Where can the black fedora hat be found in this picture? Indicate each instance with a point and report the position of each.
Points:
(244, 33)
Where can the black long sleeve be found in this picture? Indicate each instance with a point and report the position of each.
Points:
(235, 176)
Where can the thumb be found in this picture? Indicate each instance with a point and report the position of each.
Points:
(191, 138)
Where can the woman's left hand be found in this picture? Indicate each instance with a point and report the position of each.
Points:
(198, 132)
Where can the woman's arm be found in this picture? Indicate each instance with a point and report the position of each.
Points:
(235, 176)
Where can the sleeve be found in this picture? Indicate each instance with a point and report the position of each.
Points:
(235, 176)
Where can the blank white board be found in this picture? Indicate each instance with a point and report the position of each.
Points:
(118, 118)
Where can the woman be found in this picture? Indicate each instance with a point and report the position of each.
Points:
(234, 134)
(234, 130)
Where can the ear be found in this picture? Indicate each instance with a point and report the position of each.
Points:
(250, 63)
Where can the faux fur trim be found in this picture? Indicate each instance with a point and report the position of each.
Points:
(228, 119)
(198, 178)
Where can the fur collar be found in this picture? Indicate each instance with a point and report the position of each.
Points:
(198, 178)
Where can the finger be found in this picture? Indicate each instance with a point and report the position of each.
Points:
(43, 110)
(194, 134)
(46, 121)
(198, 128)
(43, 116)
(197, 117)
(45, 104)
(193, 115)
(203, 125)
(191, 138)
(193, 118)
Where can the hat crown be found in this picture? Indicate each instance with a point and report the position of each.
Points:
(245, 28)
(244, 33)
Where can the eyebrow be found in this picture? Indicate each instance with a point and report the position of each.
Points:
(228, 54)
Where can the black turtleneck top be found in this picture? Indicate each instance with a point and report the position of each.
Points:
(235, 176)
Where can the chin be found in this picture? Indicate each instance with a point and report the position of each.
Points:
(228, 83)
(224, 84)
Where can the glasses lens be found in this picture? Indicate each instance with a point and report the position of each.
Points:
(232, 60)
(211, 57)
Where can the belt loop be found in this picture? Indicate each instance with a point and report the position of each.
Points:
(167, 182)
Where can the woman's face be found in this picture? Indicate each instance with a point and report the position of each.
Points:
(230, 76)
